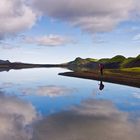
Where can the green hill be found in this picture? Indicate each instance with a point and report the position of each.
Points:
(118, 58)
(115, 62)
(131, 62)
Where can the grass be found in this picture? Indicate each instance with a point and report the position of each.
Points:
(118, 58)
(103, 60)
(4, 66)
(91, 59)
(126, 62)
(135, 69)
(130, 73)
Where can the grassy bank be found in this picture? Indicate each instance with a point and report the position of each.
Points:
(129, 76)
(134, 70)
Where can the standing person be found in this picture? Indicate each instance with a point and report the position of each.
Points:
(101, 67)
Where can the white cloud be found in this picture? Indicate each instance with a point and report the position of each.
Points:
(15, 16)
(90, 15)
(136, 37)
(50, 40)
(8, 46)
(98, 39)
(50, 90)
(16, 117)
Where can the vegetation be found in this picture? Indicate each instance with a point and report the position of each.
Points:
(91, 59)
(126, 76)
(127, 61)
(118, 58)
(117, 62)
(103, 60)
(135, 69)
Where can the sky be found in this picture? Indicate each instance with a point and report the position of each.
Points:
(58, 31)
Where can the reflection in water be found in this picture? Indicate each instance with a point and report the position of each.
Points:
(16, 117)
(101, 85)
(92, 120)
(99, 118)
(4, 69)
(136, 95)
(7, 85)
(48, 90)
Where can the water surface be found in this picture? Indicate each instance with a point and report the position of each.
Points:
(39, 104)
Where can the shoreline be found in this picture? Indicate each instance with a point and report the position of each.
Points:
(18, 66)
(117, 78)
(110, 75)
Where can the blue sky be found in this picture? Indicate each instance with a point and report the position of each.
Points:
(48, 31)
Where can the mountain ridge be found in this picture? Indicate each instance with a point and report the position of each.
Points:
(116, 62)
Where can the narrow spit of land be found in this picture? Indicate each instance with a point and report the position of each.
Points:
(124, 77)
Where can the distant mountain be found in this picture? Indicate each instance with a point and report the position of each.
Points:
(7, 65)
(4, 62)
(116, 62)
(82, 64)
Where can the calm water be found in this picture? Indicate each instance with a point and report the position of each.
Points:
(39, 104)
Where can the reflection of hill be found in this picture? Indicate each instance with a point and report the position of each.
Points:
(4, 69)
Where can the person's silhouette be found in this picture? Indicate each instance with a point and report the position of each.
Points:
(101, 85)
(101, 67)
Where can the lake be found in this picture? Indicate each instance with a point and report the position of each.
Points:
(39, 104)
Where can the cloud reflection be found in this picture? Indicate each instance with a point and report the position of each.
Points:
(50, 90)
(92, 120)
(6, 85)
(136, 95)
(16, 117)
